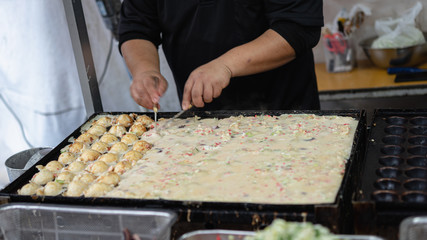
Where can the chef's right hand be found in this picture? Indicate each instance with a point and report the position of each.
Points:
(147, 88)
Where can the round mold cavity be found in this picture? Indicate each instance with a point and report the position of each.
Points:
(417, 140)
(416, 184)
(395, 130)
(392, 149)
(418, 130)
(385, 196)
(419, 120)
(387, 184)
(417, 161)
(417, 150)
(416, 172)
(414, 197)
(390, 161)
(388, 172)
(396, 120)
(393, 139)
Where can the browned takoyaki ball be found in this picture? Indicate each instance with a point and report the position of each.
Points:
(97, 190)
(86, 138)
(66, 157)
(76, 147)
(42, 177)
(29, 189)
(76, 166)
(119, 148)
(99, 146)
(108, 138)
(118, 130)
(122, 166)
(109, 158)
(110, 178)
(85, 177)
(138, 129)
(65, 177)
(97, 167)
(76, 188)
(129, 138)
(52, 188)
(89, 155)
(133, 156)
(97, 130)
(141, 146)
(54, 166)
(125, 120)
(145, 120)
(104, 121)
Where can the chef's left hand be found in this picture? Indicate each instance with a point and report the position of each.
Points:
(205, 83)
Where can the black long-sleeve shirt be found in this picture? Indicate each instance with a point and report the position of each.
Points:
(194, 32)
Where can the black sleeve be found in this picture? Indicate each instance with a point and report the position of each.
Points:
(297, 21)
(139, 20)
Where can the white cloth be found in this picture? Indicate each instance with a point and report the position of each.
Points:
(38, 74)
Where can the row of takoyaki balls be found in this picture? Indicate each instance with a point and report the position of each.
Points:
(93, 163)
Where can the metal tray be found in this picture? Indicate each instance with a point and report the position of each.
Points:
(219, 234)
(240, 215)
(55, 221)
(393, 184)
(413, 228)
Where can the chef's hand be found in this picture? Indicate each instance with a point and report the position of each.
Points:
(205, 83)
(147, 88)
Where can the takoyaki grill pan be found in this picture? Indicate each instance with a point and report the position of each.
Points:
(235, 215)
(394, 179)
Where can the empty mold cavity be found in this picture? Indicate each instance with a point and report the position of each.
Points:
(417, 161)
(396, 120)
(395, 129)
(417, 150)
(418, 130)
(388, 172)
(418, 140)
(385, 196)
(390, 161)
(387, 184)
(414, 196)
(416, 172)
(416, 184)
(419, 120)
(393, 139)
(392, 149)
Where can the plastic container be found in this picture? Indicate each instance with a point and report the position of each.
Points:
(20, 162)
(53, 221)
(219, 234)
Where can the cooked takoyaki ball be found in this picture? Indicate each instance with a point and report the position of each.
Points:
(118, 130)
(141, 146)
(97, 190)
(129, 138)
(99, 146)
(86, 138)
(76, 188)
(76, 147)
(85, 177)
(97, 130)
(43, 176)
(122, 166)
(65, 177)
(97, 167)
(29, 189)
(133, 156)
(108, 138)
(119, 148)
(54, 166)
(109, 158)
(66, 158)
(145, 120)
(52, 188)
(138, 129)
(104, 121)
(110, 178)
(89, 155)
(125, 120)
(76, 166)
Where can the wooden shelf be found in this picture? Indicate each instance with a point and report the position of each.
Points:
(364, 76)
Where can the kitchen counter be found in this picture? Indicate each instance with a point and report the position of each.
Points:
(363, 81)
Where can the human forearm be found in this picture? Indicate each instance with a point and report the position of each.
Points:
(268, 51)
